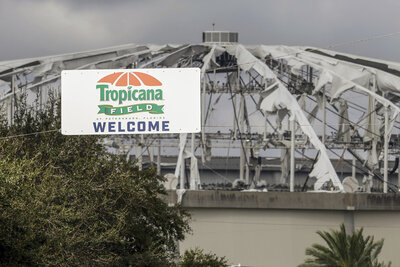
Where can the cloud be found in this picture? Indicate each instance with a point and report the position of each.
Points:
(43, 27)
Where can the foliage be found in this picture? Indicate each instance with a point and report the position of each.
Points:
(65, 201)
(197, 257)
(345, 250)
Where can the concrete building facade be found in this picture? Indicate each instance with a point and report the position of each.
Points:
(275, 228)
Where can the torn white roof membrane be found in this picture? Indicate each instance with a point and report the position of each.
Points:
(247, 61)
(360, 74)
(11, 64)
(280, 98)
(342, 75)
(188, 50)
(391, 64)
(209, 60)
(278, 52)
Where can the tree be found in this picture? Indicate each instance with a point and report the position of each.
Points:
(345, 250)
(197, 257)
(66, 201)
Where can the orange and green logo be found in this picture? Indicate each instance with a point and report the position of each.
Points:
(135, 87)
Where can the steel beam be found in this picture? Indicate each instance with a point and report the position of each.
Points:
(385, 151)
(292, 144)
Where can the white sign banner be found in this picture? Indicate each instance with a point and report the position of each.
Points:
(135, 101)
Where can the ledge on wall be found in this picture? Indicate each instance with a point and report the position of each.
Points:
(286, 200)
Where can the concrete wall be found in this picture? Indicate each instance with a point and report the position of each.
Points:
(275, 228)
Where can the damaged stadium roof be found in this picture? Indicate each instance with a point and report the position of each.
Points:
(255, 100)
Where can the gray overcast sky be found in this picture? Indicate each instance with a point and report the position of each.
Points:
(31, 28)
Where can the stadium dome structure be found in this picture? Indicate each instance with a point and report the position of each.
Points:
(273, 116)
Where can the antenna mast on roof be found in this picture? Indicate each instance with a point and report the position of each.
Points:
(213, 24)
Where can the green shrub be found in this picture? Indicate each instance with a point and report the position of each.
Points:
(198, 258)
(65, 201)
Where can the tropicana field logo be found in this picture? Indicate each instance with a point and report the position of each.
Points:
(122, 87)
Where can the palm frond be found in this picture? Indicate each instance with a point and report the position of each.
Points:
(345, 250)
